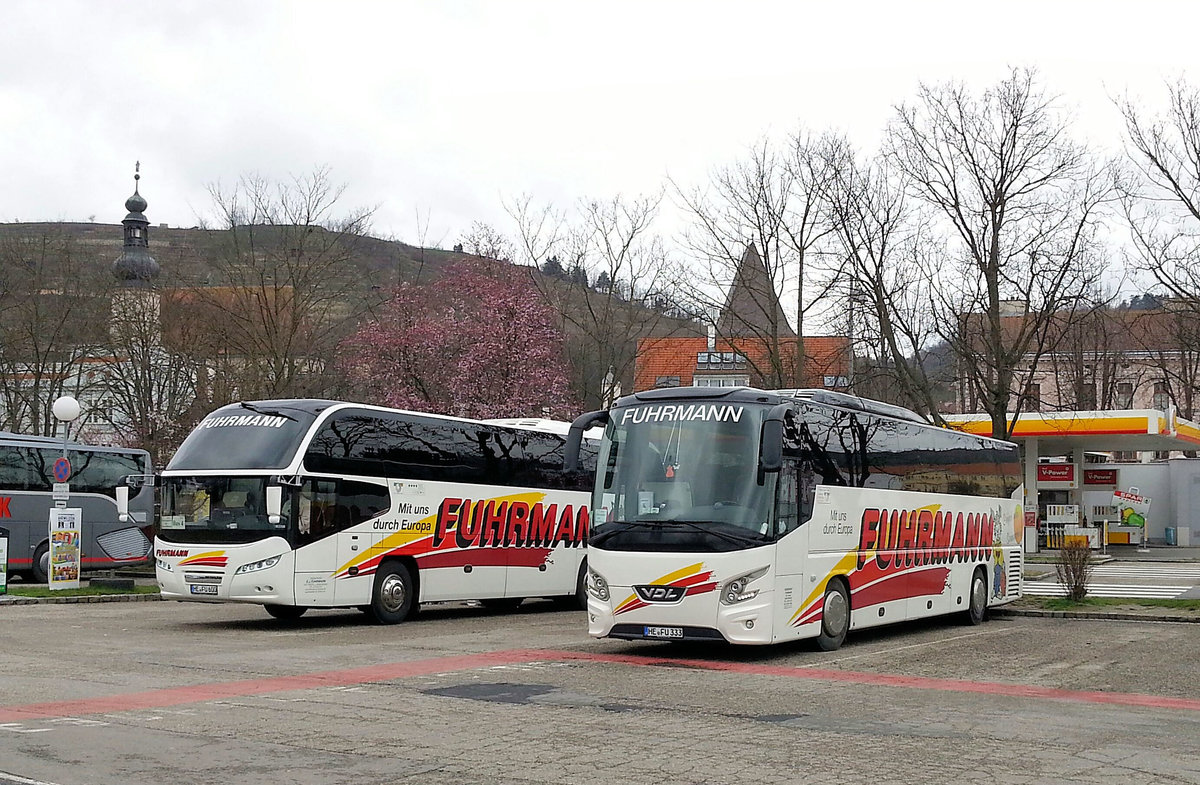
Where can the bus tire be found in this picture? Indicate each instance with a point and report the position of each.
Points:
(976, 610)
(285, 612)
(393, 596)
(835, 617)
(41, 564)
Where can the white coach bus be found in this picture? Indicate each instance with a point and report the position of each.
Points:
(757, 517)
(298, 504)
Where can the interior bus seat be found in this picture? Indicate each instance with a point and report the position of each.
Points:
(233, 499)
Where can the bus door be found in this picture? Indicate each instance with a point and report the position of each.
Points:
(317, 549)
(792, 546)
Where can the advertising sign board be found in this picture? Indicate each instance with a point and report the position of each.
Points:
(66, 536)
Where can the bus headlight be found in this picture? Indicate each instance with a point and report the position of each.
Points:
(597, 586)
(165, 566)
(255, 566)
(736, 590)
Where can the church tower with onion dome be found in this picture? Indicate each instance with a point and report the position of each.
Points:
(135, 326)
(135, 266)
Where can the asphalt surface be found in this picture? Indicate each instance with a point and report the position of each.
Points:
(158, 692)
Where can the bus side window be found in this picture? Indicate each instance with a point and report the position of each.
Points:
(787, 499)
(318, 500)
(808, 480)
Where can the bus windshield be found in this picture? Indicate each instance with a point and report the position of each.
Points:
(244, 436)
(690, 472)
(217, 510)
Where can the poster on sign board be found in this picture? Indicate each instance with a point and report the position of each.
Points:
(1132, 507)
(66, 540)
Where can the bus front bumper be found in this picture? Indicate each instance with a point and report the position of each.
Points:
(696, 619)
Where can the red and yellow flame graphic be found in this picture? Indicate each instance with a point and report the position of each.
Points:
(207, 559)
(517, 530)
(694, 578)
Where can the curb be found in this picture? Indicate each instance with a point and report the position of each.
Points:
(12, 599)
(1097, 615)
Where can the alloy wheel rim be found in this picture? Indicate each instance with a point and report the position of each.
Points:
(392, 593)
(834, 612)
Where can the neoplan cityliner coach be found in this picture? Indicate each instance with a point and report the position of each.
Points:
(757, 517)
(298, 504)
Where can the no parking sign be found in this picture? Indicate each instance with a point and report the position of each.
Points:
(62, 469)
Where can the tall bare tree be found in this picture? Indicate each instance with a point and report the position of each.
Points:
(634, 295)
(1161, 192)
(1019, 204)
(150, 381)
(287, 289)
(53, 308)
(769, 200)
(889, 273)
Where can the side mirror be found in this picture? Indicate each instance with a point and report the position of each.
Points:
(123, 503)
(575, 437)
(274, 504)
(770, 449)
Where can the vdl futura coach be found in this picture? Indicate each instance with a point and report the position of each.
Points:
(298, 504)
(758, 517)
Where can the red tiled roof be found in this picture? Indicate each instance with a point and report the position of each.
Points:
(657, 357)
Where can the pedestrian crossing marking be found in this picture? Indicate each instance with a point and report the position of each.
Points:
(1132, 591)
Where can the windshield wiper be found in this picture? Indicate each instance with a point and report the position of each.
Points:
(707, 527)
(269, 412)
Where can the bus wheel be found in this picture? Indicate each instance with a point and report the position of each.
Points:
(392, 597)
(41, 564)
(285, 612)
(977, 605)
(835, 617)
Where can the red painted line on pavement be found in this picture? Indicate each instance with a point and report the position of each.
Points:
(175, 696)
(895, 680)
(198, 693)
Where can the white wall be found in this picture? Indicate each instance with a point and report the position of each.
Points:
(1174, 490)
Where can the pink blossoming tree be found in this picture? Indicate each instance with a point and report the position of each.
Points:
(478, 342)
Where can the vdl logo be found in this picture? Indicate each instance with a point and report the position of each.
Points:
(660, 594)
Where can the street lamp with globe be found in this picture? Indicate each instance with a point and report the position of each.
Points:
(66, 409)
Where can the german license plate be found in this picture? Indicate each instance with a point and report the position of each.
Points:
(662, 632)
(202, 589)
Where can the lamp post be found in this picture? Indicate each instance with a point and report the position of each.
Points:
(66, 409)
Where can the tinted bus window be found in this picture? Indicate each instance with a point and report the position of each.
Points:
(423, 448)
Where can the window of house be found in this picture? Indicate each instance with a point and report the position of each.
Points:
(1124, 395)
(666, 381)
(1033, 397)
(1162, 398)
(721, 381)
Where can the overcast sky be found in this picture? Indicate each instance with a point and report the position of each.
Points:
(445, 109)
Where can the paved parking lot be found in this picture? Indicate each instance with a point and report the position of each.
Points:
(155, 692)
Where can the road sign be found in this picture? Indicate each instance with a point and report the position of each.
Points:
(62, 469)
(60, 491)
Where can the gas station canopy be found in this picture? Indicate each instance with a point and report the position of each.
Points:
(1057, 433)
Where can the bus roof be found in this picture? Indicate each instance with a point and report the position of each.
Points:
(9, 437)
(768, 397)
